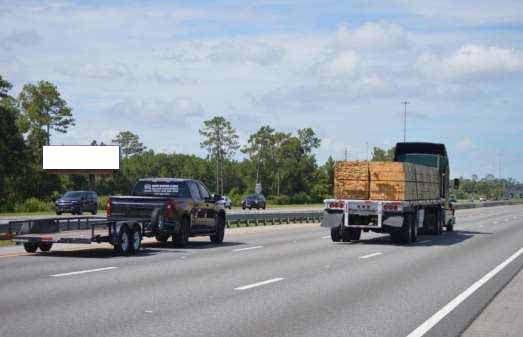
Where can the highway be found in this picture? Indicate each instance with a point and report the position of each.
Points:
(285, 280)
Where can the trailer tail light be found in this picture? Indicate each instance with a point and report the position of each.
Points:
(169, 211)
(109, 207)
(392, 207)
(337, 205)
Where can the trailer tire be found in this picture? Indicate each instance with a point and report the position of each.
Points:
(123, 246)
(350, 234)
(135, 240)
(404, 234)
(45, 246)
(182, 238)
(30, 247)
(220, 230)
(335, 234)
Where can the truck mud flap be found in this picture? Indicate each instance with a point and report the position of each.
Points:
(331, 220)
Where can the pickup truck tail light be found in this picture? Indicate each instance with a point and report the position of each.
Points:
(169, 211)
(109, 207)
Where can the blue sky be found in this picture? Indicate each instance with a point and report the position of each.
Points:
(159, 68)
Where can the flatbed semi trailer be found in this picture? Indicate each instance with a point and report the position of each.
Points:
(402, 219)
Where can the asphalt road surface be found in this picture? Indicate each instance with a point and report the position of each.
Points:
(287, 280)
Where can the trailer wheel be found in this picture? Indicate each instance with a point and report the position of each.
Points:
(404, 234)
(335, 234)
(45, 246)
(135, 240)
(30, 247)
(350, 234)
(180, 239)
(220, 230)
(124, 245)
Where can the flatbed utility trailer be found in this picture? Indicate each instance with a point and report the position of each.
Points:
(403, 220)
(42, 233)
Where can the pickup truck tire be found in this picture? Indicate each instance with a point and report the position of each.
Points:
(124, 244)
(135, 240)
(335, 234)
(220, 230)
(45, 246)
(30, 247)
(94, 211)
(182, 238)
(58, 213)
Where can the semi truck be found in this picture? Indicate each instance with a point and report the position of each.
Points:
(413, 201)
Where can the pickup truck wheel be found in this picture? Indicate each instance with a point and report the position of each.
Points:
(450, 228)
(30, 247)
(220, 231)
(180, 239)
(80, 211)
(45, 246)
(135, 240)
(124, 245)
(94, 211)
(58, 213)
(335, 234)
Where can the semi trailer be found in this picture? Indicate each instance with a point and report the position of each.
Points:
(405, 197)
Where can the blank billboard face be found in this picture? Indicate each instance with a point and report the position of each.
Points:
(81, 158)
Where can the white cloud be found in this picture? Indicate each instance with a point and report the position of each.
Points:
(473, 62)
(465, 145)
(372, 36)
(246, 51)
(344, 63)
(97, 71)
(157, 112)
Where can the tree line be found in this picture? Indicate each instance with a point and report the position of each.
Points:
(283, 163)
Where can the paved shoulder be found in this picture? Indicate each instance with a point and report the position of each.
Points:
(503, 316)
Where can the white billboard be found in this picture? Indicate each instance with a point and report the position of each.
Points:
(79, 157)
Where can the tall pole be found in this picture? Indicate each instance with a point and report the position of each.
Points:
(405, 121)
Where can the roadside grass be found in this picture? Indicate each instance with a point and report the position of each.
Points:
(27, 213)
(6, 243)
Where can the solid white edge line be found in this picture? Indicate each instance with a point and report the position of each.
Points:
(438, 316)
(326, 237)
(424, 241)
(247, 248)
(262, 283)
(370, 255)
(83, 271)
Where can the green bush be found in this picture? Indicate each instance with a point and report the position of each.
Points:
(102, 202)
(301, 198)
(280, 200)
(34, 205)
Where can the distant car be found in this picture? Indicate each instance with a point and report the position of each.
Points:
(452, 199)
(227, 203)
(76, 202)
(254, 201)
(482, 199)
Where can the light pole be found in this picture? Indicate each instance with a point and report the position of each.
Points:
(405, 121)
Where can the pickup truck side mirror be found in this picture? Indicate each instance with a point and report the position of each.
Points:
(456, 184)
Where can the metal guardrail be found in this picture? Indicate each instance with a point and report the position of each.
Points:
(262, 218)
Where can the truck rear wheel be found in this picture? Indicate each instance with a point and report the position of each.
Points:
(182, 238)
(350, 234)
(405, 234)
(335, 234)
(30, 247)
(45, 246)
(220, 230)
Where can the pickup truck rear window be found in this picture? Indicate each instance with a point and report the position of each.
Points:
(171, 189)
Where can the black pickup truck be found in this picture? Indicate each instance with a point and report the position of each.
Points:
(165, 207)
(158, 207)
